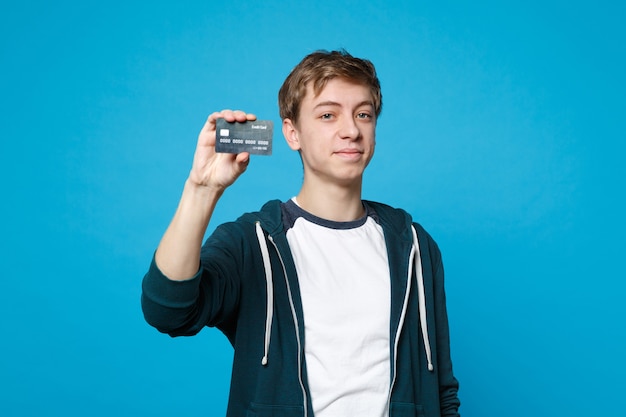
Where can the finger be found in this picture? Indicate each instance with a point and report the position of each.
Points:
(210, 122)
(237, 116)
(207, 134)
(243, 158)
(229, 116)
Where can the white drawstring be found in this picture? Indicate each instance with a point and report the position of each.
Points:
(421, 298)
(270, 294)
(270, 290)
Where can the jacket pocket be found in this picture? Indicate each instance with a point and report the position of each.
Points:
(406, 410)
(262, 410)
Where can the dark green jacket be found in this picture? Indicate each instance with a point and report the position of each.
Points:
(231, 292)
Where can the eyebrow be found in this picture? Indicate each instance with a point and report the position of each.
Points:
(334, 103)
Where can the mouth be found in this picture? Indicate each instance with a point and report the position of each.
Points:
(349, 152)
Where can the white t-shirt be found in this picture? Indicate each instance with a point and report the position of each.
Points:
(344, 281)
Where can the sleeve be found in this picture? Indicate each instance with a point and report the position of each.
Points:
(210, 298)
(170, 305)
(448, 384)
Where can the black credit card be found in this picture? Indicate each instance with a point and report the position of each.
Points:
(254, 137)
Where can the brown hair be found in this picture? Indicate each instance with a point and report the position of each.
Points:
(320, 67)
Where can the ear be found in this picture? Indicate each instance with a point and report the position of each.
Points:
(290, 132)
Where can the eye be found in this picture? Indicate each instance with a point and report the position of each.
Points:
(363, 115)
(326, 116)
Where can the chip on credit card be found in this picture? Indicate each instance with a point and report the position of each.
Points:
(234, 137)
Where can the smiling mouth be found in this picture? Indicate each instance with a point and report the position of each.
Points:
(349, 152)
(349, 155)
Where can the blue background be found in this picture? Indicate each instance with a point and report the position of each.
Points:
(502, 133)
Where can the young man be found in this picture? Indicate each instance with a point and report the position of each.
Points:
(335, 306)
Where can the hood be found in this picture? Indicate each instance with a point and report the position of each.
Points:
(398, 222)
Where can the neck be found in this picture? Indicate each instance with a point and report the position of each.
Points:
(332, 202)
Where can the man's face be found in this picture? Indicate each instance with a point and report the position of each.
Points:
(335, 132)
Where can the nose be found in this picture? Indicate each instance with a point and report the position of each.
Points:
(349, 129)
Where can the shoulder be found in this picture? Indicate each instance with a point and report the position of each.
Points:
(394, 217)
(269, 216)
(388, 216)
(239, 237)
(400, 221)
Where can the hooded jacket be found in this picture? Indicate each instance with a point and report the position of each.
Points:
(247, 287)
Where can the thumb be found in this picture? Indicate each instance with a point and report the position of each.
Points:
(242, 160)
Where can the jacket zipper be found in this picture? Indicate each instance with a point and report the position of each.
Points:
(296, 325)
(400, 325)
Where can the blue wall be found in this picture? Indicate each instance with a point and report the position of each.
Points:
(502, 133)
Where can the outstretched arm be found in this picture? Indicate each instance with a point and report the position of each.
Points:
(178, 254)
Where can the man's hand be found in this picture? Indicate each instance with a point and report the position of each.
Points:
(178, 254)
(218, 170)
